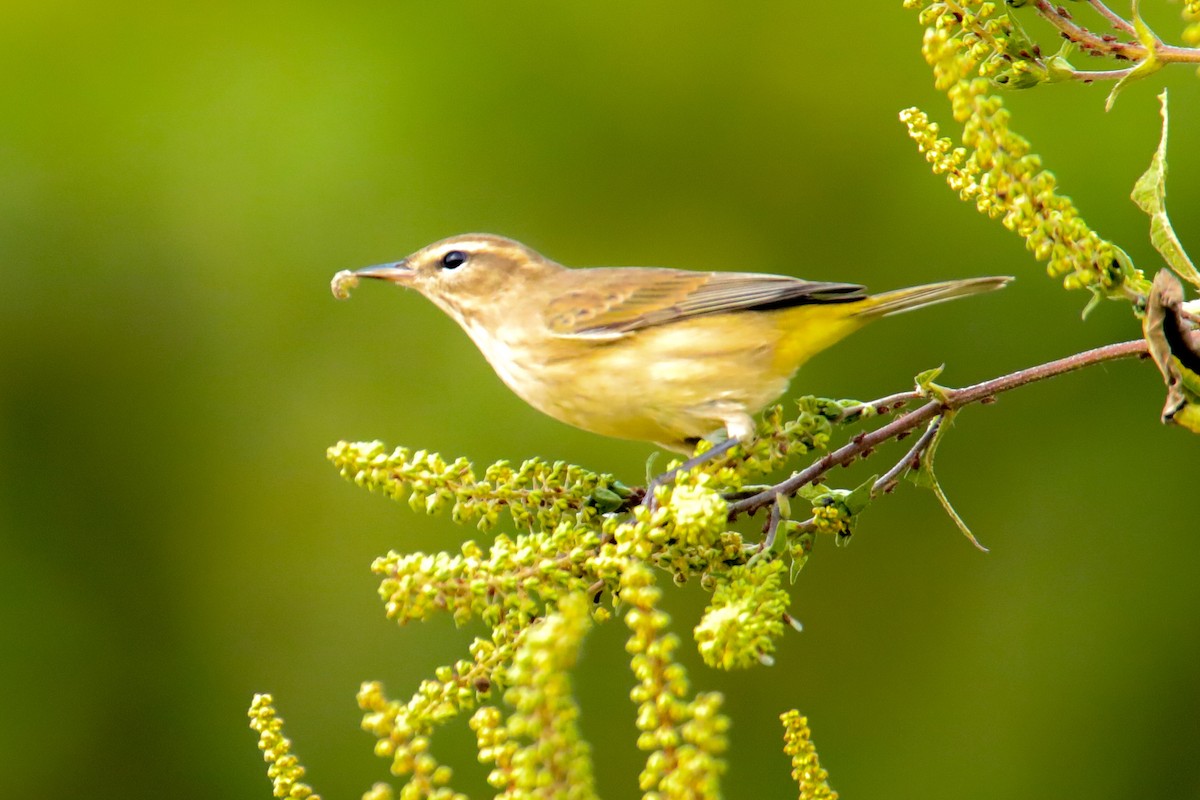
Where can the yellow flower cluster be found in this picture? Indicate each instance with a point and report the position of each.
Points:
(380, 791)
(806, 770)
(684, 737)
(700, 515)
(402, 730)
(579, 536)
(285, 771)
(511, 582)
(531, 590)
(403, 735)
(538, 752)
(1191, 15)
(740, 626)
(536, 494)
(685, 535)
(779, 439)
(966, 43)
(831, 518)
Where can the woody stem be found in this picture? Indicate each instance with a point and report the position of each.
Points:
(1099, 45)
(950, 400)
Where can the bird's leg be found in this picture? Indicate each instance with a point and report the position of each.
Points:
(739, 429)
(693, 462)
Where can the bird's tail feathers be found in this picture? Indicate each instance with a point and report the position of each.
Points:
(901, 300)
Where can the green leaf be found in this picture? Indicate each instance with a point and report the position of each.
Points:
(928, 478)
(1020, 76)
(1092, 302)
(1147, 66)
(784, 505)
(801, 548)
(925, 379)
(926, 386)
(1058, 67)
(1150, 195)
(860, 496)
(606, 500)
(1026, 70)
(811, 493)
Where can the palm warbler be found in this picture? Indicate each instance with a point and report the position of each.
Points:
(660, 355)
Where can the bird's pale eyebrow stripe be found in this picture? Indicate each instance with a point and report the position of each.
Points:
(467, 245)
(481, 245)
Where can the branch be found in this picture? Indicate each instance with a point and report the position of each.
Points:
(1108, 45)
(1093, 75)
(911, 460)
(950, 400)
(1118, 22)
(884, 405)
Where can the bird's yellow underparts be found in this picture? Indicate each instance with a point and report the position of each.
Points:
(659, 355)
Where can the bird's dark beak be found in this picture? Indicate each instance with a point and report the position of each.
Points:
(399, 272)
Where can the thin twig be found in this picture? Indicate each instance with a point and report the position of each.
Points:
(1093, 75)
(951, 399)
(911, 459)
(957, 398)
(1097, 44)
(772, 527)
(843, 455)
(881, 405)
(1118, 22)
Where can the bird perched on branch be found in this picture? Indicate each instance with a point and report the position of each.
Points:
(668, 356)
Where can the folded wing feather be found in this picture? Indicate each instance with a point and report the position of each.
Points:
(618, 302)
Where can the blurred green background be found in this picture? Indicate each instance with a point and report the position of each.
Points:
(180, 182)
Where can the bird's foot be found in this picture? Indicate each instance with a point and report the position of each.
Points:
(667, 477)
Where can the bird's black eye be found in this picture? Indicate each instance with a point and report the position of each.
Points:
(454, 259)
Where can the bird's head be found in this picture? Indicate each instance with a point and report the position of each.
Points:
(468, 275)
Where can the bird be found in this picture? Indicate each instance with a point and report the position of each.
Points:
(666, 356)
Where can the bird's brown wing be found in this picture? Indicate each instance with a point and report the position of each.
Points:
(615, 301)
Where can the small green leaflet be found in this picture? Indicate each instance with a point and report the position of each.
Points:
(926, 477)
(1150, 194)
